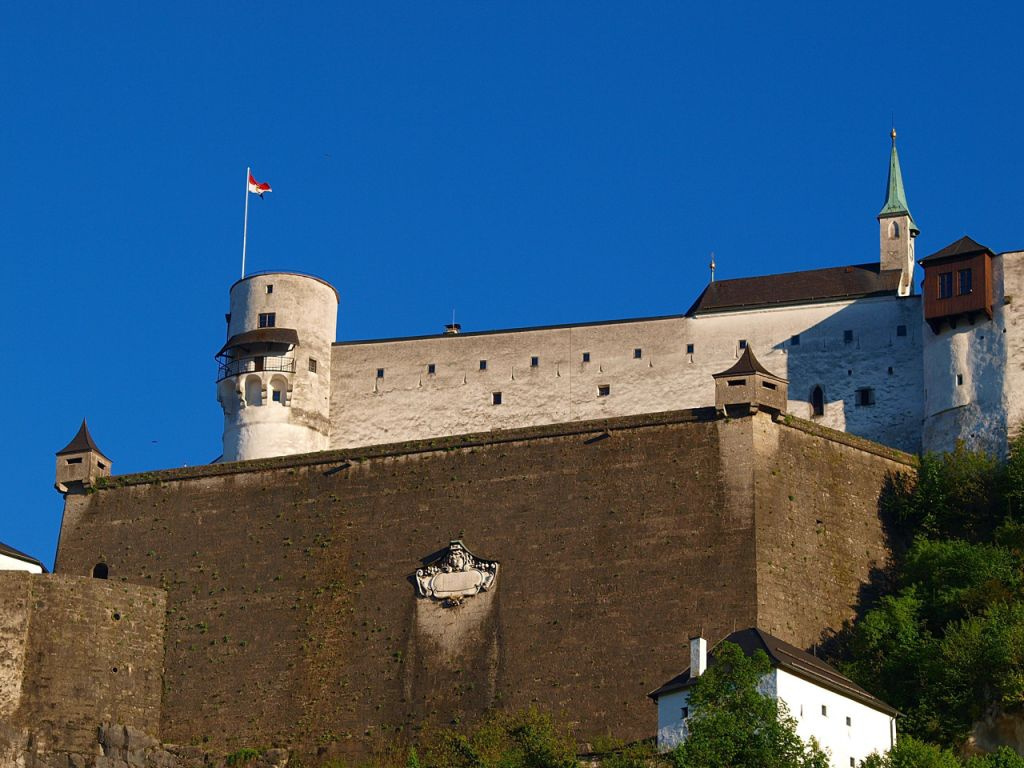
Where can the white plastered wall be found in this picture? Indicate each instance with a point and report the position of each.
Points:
(8, 563)
(869, 730)
(985, 405)
(409, 403)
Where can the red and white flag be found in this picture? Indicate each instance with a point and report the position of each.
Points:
(256, 187)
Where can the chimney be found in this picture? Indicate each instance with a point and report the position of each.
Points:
(698, 656)
(452, 328)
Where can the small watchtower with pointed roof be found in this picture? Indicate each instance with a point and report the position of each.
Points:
(748, 387)
(896, 227)
(80, 462)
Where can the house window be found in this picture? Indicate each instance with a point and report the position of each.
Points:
(268, 319)
(689, 349)
(865, 396)
(638, 353)
(603, 390)
(824, 711)
(890, 370)
(534, 361)
(496, 398)
(847, 337)
(817, 401)
(849, 721)
(270, 288)
(586, 357)
(959, 379)
(276, 395)
(483, 365)
(312, 365)
(964, 282)
(794, 340)
(945, 285)
(901, 330)
(380, 373)
(853, 763)
(743, 343)
(431, 369)
(100, 571)
(76, 460)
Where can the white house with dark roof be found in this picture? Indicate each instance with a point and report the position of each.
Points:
(13, 560)
(844, 718)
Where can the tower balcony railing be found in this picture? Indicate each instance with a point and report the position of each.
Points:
(254, 364)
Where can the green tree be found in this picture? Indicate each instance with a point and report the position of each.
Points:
(527, 739)
(911, 753)
(734, 726)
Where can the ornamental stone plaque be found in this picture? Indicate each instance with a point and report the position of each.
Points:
(455, 574)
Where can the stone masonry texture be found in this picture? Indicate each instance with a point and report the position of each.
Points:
(75, 653)
(292, 619)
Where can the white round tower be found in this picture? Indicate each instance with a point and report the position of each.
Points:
(274, 377)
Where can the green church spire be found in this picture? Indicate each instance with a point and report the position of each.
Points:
(896, 198)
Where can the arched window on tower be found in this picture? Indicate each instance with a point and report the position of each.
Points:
(817, 401)
(100, 571)
(278, 390)
(253, 391)
(894, 230)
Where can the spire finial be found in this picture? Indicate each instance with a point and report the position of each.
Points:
(893, 134)
(712, 265)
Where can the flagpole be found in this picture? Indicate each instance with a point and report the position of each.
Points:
(245, 222)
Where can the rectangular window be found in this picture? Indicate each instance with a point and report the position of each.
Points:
(431, 369)
(496, 398)
(945, 285)
(77, 460)
(964, 282)
(276, 396)
(534, 362)
(901, 330)
(689, 349)
(603, 390)
(312, 365)
(268, 319)
(743, 343)
(847, 337)
(380, 373)
(638, 353)
(794, 340)
(852, 762)
(865, 396)
(586, 357)
(483, 365)
(270, 289)
(959, 379)
(824, 711)
(849, 721)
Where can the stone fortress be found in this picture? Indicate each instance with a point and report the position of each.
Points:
(407, 532)
(862, 351)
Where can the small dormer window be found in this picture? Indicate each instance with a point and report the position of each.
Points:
(268, 319)
(964, 282)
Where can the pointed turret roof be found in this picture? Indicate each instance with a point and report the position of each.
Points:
(82, 442)
(746, 365)
(895, 197)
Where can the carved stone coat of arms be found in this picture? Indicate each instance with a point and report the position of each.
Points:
(455, 574)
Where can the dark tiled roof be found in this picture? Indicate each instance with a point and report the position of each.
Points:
(81, 443)
(261, 336)
(790, 658)
(746, 365)
(965, 246)
(851, 282)
(12, 552)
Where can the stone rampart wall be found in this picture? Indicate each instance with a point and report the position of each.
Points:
(293, 618)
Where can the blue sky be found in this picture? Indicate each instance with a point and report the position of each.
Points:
(521, 163)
